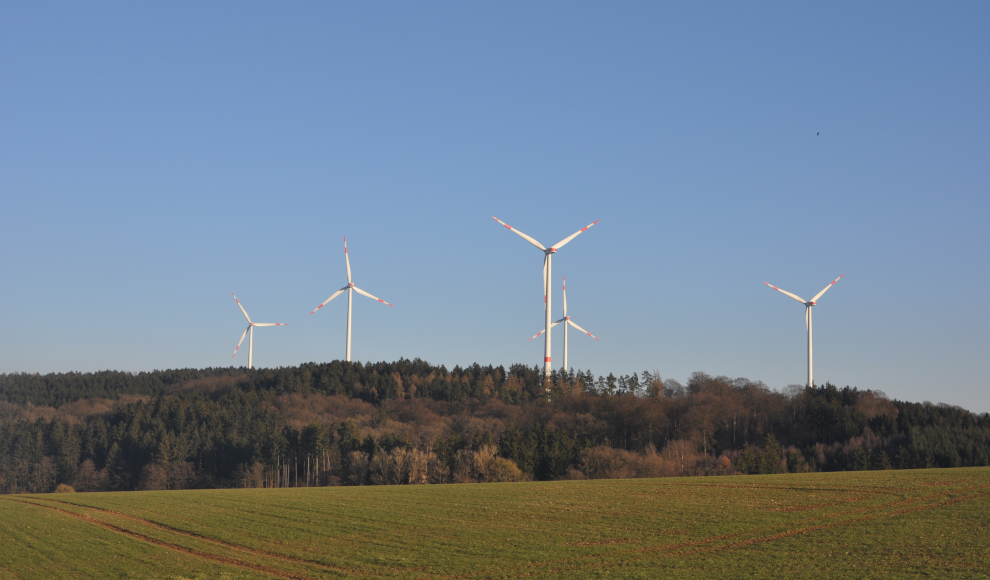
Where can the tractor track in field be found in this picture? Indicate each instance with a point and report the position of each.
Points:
(754, 486)
(892, 507)
(227, 560)
(701, 546)
(808, 508)
(215, 541)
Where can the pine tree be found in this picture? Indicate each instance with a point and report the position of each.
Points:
(746, 462)
(770, 457)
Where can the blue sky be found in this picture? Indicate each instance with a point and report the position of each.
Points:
(154, 158)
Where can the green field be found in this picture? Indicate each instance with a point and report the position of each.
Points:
(879, 524)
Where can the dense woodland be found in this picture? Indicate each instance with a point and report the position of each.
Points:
(410, 422)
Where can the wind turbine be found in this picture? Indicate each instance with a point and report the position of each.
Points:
(570, 322)
(351, 288)
(547, 271)
(250, 330)
(807, 319)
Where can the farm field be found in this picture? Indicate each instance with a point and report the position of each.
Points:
(879, 524)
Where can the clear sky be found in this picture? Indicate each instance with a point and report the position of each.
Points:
(156, 157)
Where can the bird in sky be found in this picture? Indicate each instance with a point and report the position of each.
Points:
(817, 134)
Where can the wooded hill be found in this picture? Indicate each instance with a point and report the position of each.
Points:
(411, 422)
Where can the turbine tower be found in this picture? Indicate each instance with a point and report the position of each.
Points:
(547, 271)
(250, 331)
(807, 319)
(570, 322)
(351, 288)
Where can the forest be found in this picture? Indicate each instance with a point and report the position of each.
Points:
(409, 422)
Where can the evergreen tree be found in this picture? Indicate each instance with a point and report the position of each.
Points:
(770, 459)
(747, 462)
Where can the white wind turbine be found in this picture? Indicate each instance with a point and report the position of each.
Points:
(351, 288)
(807, 319)
(570, 322)
(250, 331)
(547, 271)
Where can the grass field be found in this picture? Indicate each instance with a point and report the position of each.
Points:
(880, 524)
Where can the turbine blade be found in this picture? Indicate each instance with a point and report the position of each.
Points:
(565, 296)
(542, 331)
(348, 260)
(522, 235)
(819, 295)
(241, 307)
(240, 341)
(798, 298)
(334, 295)
(564, 241)
(271, 323)
(360, 291)
(571, 322)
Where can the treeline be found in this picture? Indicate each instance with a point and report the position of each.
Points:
(411, 422)
(57, 389)
(369, 382)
